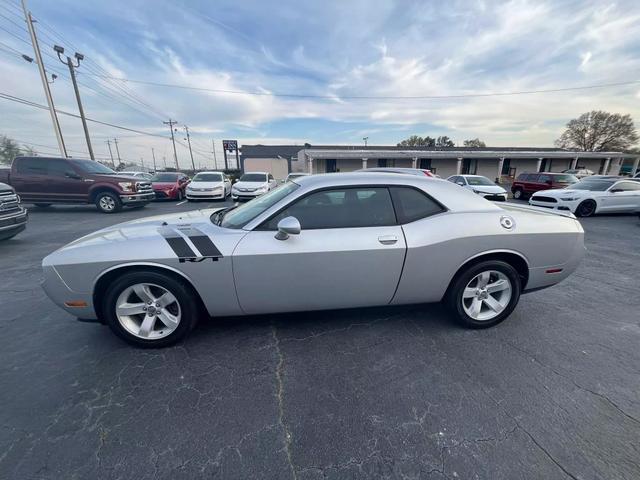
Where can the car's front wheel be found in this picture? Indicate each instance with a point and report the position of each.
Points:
(518, 194)
(586, 208)
(108, 202)
(150, 309)
(484, 294)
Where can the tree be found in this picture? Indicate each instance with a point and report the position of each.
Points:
(417, 141)
(599, 131)
(444, 141)
(474, 143)
(9, 149)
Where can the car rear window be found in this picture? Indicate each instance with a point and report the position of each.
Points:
(412, 204)
(565, 178)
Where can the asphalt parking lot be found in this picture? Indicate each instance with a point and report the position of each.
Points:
(553, 392)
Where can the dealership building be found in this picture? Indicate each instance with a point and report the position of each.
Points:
(502, 164)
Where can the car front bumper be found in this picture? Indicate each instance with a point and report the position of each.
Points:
(16, 220)
(237, 195)
(495, 197)
(78, 304)
(560, 205)
(137, 198)
(194, 195)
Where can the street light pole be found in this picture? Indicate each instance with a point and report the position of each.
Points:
(72, 71)
(171, 123)
(153, 154)
(365, 140)
(188, 139)
(115, 140)
(111, 154)
(45, 82)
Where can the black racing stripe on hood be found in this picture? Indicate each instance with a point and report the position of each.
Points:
(178, 244)
(201, 241)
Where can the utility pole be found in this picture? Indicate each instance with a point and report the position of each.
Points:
(72, 71)
(215, 160)
(45, 82)
(365, 140)
(188, 139)
(171, 123)
(115, 140)
(164, 162)
(111, 154)
(153, 154)
(142, 160)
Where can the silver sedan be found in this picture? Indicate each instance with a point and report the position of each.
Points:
(318, 242)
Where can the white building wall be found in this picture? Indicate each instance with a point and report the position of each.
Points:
(524, 165)
(348, 164)
(488, 167)
(445, 167)
(275, 166)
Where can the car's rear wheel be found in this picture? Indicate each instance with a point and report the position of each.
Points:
(179, 196)
(518, 194)
(484, 294)
(586, 208)
(108, 202)
(150, 309)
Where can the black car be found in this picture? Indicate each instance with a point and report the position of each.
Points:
(13, 218)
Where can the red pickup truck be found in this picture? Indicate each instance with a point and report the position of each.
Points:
(44, 181)
(529, 183)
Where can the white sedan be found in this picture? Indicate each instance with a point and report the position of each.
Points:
(591, 196)
(480, 185)
(208, 186)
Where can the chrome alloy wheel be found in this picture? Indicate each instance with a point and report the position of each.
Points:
(107, 203)
(148, 311)
(486, 295)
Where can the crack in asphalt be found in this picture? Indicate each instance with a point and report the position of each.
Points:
(280, 397)
(566, 377)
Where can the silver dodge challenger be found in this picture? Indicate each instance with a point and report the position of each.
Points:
(332, 241)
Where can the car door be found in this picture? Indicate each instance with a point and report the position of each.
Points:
(272, 182)
(349, 253)
(622, 197)
(544, 182)
(65, 184)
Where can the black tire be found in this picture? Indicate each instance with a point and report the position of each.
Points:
(179, 195)
(518, 194)
(42, 205)
(188, 303)
(454, 300)
(108, 202)
(586, 209)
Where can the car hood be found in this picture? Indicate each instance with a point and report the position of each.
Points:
(205, 184)
(250, 184)
(116, 178)
(488, 188)
(143, 228)
(561, 192)
(5, 188)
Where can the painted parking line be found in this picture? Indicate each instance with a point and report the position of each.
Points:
(180, 203)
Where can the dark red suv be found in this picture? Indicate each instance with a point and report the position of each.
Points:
(528, 183)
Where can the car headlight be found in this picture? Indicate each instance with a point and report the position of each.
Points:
(261, 189)
(215, 189)
(477, 191)
(127, 186)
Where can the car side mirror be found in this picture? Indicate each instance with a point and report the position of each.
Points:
(288, 226)
(460, 183)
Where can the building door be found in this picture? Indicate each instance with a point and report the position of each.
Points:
(382, 163)
(469, 166)
(506, 166)
(543, 165)
(330, 164)
(425, 163)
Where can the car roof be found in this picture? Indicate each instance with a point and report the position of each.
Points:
(262, 173)
(209, 171)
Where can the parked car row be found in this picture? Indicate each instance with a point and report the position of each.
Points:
(13, 217)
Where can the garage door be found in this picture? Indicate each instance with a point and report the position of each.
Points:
(276, 166)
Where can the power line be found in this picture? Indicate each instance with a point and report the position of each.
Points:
(23, 101)
(378, 97)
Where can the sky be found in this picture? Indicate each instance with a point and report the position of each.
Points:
(325, 53)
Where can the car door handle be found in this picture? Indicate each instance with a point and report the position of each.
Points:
(387, 239)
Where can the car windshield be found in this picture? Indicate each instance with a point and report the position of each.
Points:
(253, 177)
(89, 166)
(207, 177)
(240, 216)
(165, 177)
(565, 178)
(593, 185)
(478, 181)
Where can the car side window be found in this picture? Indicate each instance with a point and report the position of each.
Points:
(32, 166)
(339, 208)
(412, 204)
(270, 177)
(544, 178)
(627, 186)
(59, 168)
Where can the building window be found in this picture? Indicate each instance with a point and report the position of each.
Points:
(382, 163)
(425, 163)
(330, 164)
(506, 165)
(469, 166)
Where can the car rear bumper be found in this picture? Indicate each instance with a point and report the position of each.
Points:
(137, 198)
